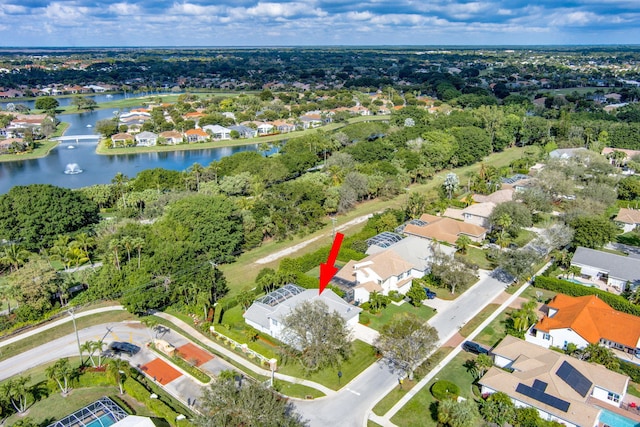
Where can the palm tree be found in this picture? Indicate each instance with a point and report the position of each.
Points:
(17, 392)
(463, 243)
(196, 171)
(88, 346)
(75, 255)
(86, 242)
(114, 245)
(119, 182)
(14, 256)
(61, 372)
(127, 243)
(99, 347)
(118, 370)
(138, 243)
(504, 221)
(8, 293)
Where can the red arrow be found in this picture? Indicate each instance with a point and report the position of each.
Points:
(328, 269)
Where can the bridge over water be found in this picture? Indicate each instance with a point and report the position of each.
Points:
(77, 138)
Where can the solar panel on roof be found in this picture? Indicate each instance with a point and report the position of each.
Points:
(418, 222)
(543, 397)
(540, 385)
(574, 378)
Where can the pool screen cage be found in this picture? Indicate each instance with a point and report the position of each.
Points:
(93, 415)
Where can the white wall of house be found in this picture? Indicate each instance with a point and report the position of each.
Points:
(257, 326)
(361, 295)
(501, 362)
(476, 220)
(603, 395)
(556, 338)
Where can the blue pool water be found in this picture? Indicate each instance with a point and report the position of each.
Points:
(103, 421)
(578, 282)
(614, 420)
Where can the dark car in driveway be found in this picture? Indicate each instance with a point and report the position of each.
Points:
(429, 293)
(124, 347)
(474, 347)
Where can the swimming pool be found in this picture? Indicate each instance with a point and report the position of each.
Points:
(612, 419)
(572, 280)
(103, 421)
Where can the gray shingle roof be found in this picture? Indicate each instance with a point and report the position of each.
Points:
(618, 266)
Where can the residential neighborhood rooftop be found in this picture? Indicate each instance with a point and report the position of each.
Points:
(621, 267)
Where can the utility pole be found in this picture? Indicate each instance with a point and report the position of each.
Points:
(75, 328)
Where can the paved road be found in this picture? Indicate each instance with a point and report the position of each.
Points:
(351, 405)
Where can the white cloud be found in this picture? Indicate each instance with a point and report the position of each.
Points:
(123, 9)
(66, 13)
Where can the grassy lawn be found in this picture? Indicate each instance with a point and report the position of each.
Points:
(472, 324)
(297, 390)
(382, 318)
(531, 294)
(421, 409)
(631, 238)
(363, 356)
(62, 330)
(477, 256)
(495, 331)
(387, 402)
(524, 237)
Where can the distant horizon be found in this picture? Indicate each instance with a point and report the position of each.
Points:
(337, 46)
(280, 23)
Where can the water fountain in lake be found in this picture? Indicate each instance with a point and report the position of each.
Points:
(70, 147)
(72, 169)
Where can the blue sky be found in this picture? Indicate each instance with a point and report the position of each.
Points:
(78, 23)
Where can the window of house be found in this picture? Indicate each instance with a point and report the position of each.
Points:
(613, 397)
(546, 337)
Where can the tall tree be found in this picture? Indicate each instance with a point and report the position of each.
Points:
(61, 372)
(405, 342)
(226, 403)
(317, 337)
(36, 214)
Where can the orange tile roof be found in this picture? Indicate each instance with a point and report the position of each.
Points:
(193, 115)
(592, 319)
(198, 132)
(443, 229)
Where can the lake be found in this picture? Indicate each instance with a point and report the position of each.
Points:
(99, 169)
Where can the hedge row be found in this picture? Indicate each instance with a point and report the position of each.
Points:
(616, 302)
(140, 393)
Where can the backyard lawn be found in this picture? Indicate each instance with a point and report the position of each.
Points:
(421, 410)
(477, 256)
(376, 321)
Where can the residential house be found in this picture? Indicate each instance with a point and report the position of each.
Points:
(265, 128)
(443, 229)
(477, 213)
(283, 127)
(196, 135)
(497, 197)
(567, 153)
(244, 131)
(586, 320)
(122, 139)
(628, 153)
(309, 121)
(561, 388)
(6, 145)
(628, 218)
(171, 137)
(194, 115)
(217, 132)
(616, 271)
(389, 267)
(146, 139)
(267, 313)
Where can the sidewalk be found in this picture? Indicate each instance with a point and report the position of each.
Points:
(58, 322)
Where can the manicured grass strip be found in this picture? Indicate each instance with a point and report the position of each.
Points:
(377, 321)
(421, 409)
(61, 331)
(363, 356)
(297, 390)
(472, 324)
(393, 397)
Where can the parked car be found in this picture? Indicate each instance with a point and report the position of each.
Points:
(429, 293)
(474, 347)
(124, 347)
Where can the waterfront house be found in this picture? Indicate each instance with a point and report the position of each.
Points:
(196, 135)
(146, 139)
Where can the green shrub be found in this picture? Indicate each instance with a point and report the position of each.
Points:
(630, 369)
(140, 393)
(445, 390)
(616, 302)
(396, 296)
(364, 319)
